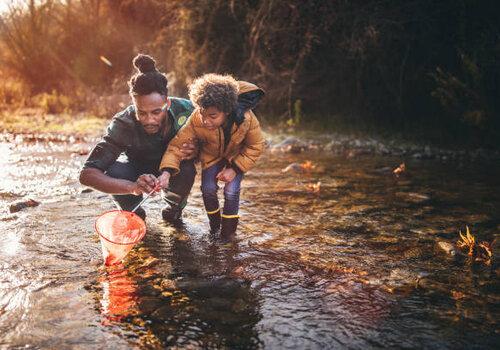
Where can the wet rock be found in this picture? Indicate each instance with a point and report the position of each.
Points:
(384, 170)
(150, 261)
(8, 195)
(150, 304)
(495, 247)
(413, 197)
(18, 206)
(418, 197)
(399, 280)
(293, 167)
(80, 152)
(238, 271)
(167, 294)
(434, 286)
(352, 153)
(8, 218)
(291, 145)
(399, 277)
(167, 285)
(333, 146)
(164, 313)
(295, 149)
(427, 231)
(191, 284)
(151, 290)
(417, 253)
(427, 151)
(447, 248)
(290, 140)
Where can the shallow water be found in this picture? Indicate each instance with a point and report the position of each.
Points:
(353, 266)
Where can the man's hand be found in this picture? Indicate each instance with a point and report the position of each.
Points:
(164, 179)
(226, 175)
(188, 150)
(145, 184)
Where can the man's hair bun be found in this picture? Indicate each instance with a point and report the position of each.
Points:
(144, 63)
(147, 79)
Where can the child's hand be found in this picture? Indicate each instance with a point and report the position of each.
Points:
(188, 150)
(163, 180)
(226, 175)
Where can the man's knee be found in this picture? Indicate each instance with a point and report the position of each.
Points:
(187, 169)
(183, 181)
(120, 170)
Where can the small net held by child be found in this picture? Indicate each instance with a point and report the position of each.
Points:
(119, 231)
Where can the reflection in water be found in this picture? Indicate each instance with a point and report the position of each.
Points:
(119, 298)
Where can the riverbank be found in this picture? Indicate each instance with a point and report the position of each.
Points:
(30, 123)
(355, 145)
(33, 121)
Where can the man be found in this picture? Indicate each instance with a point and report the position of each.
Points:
(125, 163)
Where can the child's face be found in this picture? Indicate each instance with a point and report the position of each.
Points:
(212, 117)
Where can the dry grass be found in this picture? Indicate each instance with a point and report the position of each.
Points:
(35, 121)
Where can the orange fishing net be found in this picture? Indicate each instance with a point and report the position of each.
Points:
(119, 231)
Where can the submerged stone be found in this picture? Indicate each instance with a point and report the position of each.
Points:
(18, 206)
(447, 248)
(293, 167)
(417, 252)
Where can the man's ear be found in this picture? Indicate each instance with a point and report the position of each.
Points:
(168, 104)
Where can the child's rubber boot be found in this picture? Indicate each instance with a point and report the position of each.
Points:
(228, 228)
(215, 220)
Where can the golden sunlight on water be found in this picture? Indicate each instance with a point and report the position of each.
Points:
(10, 244)
(6, 181)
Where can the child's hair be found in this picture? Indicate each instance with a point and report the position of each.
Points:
(147, 79)
(215, 90)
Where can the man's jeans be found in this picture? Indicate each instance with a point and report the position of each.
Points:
(209, 189)
(180, 184)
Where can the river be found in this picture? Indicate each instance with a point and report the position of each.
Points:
(342, 255)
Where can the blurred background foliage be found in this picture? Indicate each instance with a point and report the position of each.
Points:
(411, 66)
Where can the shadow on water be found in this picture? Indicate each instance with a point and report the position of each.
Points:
(173, 291)
(355, 264)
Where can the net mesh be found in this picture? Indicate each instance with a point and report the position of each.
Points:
(121, 227)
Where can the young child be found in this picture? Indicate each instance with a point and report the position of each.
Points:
(230, 143)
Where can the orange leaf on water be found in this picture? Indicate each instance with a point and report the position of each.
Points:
(314, 187)
(400, 169)
(307, 166)
(457, 295)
